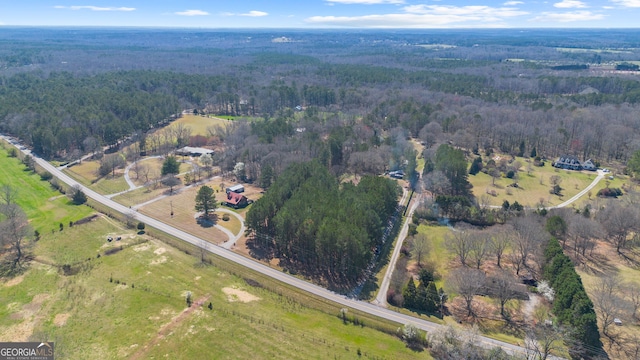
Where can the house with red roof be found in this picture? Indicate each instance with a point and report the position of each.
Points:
(236, 200)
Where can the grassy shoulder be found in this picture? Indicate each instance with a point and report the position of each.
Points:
(45, 207)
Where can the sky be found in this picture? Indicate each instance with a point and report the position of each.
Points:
(380, 14)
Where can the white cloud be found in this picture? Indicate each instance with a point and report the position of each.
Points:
(426, 16)
(627, 3)
(568, 17)
(95, 8)
(513, 3)
(570, 4)
(474, 11)
(252, 13)
(192, 13)
(365, 2)
(255, 13)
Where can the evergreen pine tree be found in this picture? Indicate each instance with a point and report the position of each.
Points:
(432, 300)
(421, 297)
(410, 293)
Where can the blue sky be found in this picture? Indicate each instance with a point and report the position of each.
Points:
(323, 13)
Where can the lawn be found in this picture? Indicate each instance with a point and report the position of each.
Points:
(199, 124)
(619, 181)
(183, 206)
(438, 255)
(532, 187)
(45, 207)
(109, 310)
(87, 174)
(140, 195)
(233, 224)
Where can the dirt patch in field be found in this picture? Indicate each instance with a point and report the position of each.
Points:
(160, 251)
(143, 247)
(234, 294)
(15, 281)
(167, 328)
(29, 316)
(18, 333)
(159, 260)
(61, 319)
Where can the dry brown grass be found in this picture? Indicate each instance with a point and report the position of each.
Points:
(87, 169)
(183, 206)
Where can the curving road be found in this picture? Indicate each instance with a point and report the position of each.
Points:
(264, 269)
(581, 193)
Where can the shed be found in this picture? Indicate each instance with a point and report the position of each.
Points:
(236, 189)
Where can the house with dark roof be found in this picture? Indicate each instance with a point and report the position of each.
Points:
(589, 165)
(570, 162)
(236, 200)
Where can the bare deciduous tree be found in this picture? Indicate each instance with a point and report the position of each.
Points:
(618, 221)
(459, 243)
(632, 292)
(420, 247)
(503, 288)
(500, 241)
(541, 341)
(583, 232)
(528, 244)
(13, 232)
(609, 305)
(437, 183)
(466, 283)
(479, 248)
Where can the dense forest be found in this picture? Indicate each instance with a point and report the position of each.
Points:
(320, 228)
(464, 88)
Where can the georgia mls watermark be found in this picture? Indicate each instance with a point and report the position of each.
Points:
(26, 351)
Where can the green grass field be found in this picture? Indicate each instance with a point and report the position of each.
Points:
(89, 316)
(45, 207)
(438, 255)
(199, 124)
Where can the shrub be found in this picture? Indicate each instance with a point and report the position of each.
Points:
(78, 197)
(511, 174)
(225, 217)
(46, 176)
(610, 192)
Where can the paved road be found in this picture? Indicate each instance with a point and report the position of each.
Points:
(381, 298)
(265, 270)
